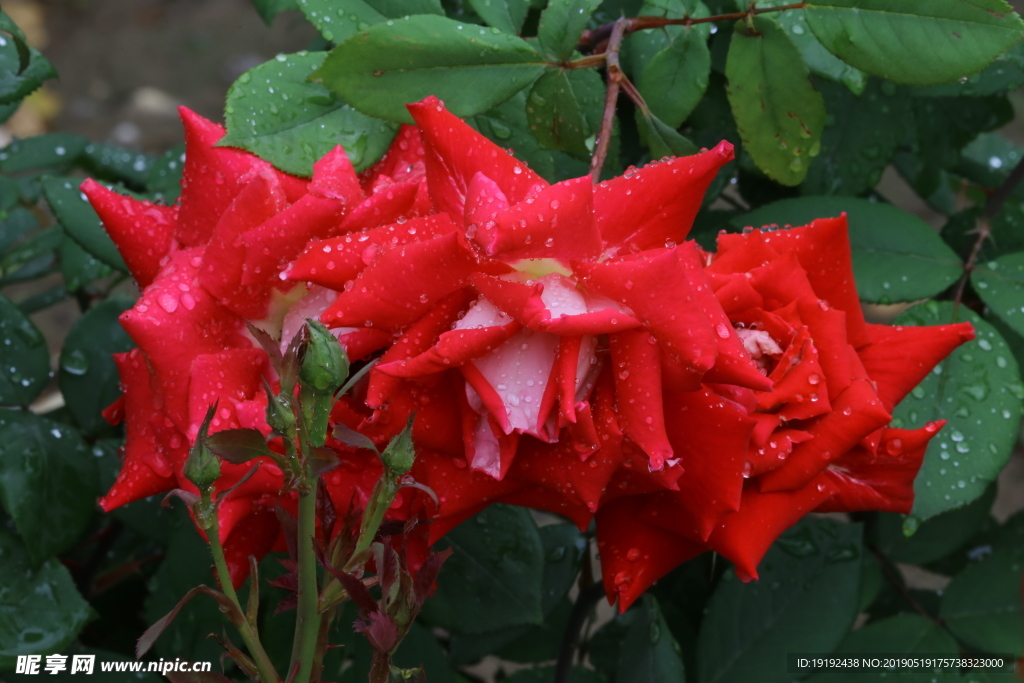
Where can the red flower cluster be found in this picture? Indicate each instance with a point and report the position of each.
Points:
(562, 346)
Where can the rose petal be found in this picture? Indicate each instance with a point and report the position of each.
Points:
(655, 205)
(455, 153)
(141, 230)
(637, 372)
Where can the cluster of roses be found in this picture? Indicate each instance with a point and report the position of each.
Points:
(561, 346)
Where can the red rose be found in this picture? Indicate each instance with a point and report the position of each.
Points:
(561, 346)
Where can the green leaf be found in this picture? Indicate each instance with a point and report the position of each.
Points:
(675, 80)
(642, 46)
(934, 539)
(78, 266)
(498, 563)
(292, 137)
(861, 136)
(896, 255)
(505, 15)
(88, 375)
(268, 9)
(79, 220)
(649, 653)
(1006, 232)
(471, 68)
(820, 61)
(904, 634)
(663, 140)
(805, 601)
(51, 150)
(164, 179)
(506, 125)
(564, 109)
(16, 78)
(42, 611)
(546, 674)
(977, 390)
(116, 164)
(32, 257)
(989, 158)
(912, 42)
(561, 26)
(338, 20)
(1000, 284)
(982, 605)
(1005, 73)
(779, 114)
(48, 482)
(15, 223)
(25, 368)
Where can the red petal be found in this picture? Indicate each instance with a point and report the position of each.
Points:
(403, 284)
(898, 358)
(390, 205)
(333, 262)
(633, 554)
(658, 291)
(211, 178)
(176, 320)
(455, 153)
(404, 159)
(223, 260)
(745, 536)
(225, 377)
(254, 535)
(855, 413)
(637, 373)
(655, 205)
(334, 177)
(558, 223)
(141, 230)
(881, 480)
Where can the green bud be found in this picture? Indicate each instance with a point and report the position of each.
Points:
(280, 415)
(399, 456)
(203, 467)
(324, 363)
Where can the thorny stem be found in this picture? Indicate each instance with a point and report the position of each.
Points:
(248, 632)
(993, 205)
(592, 39)
(615, 78)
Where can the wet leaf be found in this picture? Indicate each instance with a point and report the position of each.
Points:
(1000, 284)
(338, 20)
(978, 390)
(564, 109)
(275, 113)
(25, 367)
(80, 221)
(561, 26)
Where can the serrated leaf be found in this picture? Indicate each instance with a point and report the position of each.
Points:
(982, 605)
(561, 26)
(25, 368)
(663, 140)
(860, 138)
(498, 562)
(506, 125)
(51, 150)
(116, 164)
(471, 68)
(675, 79)
(505, 15)
(564, 108)
(238, 446)
(896, 255)
(78, 266)
(805, 601)
(80, 221)
(912, 42)
(1000, 284)
(820, 61)
(164, 180)
(88, 375)
(1005, 73)
(18, 79)
(642, 46)
(15, 223)
(43, 611)
(649, 652)
(293, 136)
(977, 389)
(779, 114)
(338, 20)
(48, 482)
